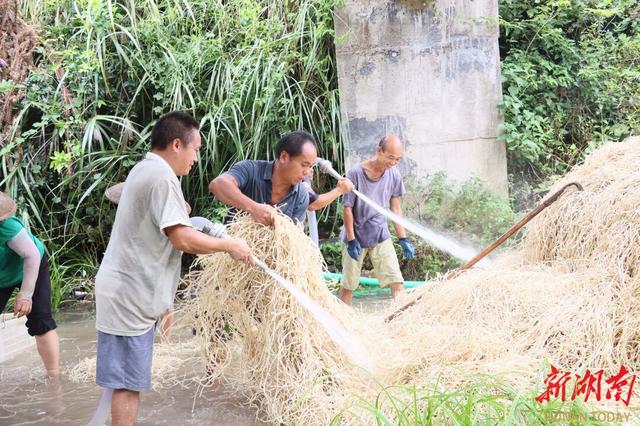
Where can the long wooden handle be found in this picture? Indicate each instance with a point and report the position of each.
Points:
(515, 228)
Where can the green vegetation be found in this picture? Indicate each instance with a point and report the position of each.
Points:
(485, 400)
(252, 69)
(248, 70)
(571, 80)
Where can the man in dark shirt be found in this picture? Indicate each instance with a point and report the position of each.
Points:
(257, 186)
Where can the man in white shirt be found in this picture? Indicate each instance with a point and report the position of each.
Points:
(140, 271)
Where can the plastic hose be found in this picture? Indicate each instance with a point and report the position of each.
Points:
(313, 227)
(104, 407)
(369, 282)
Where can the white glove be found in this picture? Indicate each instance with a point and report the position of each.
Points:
(205, 226)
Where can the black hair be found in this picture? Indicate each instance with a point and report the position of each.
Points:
(292, 143)
(383, 142)
(173, 125)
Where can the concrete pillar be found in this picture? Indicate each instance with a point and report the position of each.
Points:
(428, 71)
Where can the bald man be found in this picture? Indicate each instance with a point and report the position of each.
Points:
(365, 230)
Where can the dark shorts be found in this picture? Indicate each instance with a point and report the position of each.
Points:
(124, 362)
(40, 320)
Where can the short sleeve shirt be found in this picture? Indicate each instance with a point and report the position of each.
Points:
(11, 264)
(254, 180)
(140, 271)
(370, 227)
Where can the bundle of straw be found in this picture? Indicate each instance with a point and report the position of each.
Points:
(568, 296)
(598, 228)
(259, 339)
(173, 364)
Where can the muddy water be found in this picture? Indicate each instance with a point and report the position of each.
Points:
(26, 399)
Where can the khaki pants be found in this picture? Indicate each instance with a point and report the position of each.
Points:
(385, 265)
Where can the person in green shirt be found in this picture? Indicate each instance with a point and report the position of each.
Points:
(24, 266)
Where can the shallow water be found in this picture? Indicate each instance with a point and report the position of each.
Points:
(27, 399)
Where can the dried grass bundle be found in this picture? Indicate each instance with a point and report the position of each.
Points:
(600, 226)
(568, 295)
(173, 364)
(260, 340)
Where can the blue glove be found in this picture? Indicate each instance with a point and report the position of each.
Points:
(354, 249)
(408, 250)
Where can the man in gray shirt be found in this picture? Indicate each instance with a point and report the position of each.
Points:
(366, 230)
(139, 274)
(257, 186)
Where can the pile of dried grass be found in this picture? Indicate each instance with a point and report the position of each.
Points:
(598, 228)
(173, 364)
(569, 295)
(259, 339)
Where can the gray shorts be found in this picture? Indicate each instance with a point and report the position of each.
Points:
(124, 362)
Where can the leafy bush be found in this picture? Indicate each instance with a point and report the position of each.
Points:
(570, 79)
(332, 253)
(468, 211)
(248, 70)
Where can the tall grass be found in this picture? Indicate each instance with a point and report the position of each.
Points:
(248, 70)
(484, 400)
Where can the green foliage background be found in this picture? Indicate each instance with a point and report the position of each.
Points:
(247, 70)
(571, 79)
(250, 70)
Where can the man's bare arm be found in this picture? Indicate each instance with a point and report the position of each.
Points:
(226, 189)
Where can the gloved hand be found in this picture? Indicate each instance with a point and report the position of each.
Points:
(408, 250)
(354, 249)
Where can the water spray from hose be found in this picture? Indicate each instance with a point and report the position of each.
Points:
(434, 238)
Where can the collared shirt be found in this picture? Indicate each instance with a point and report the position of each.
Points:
(140, 271)
(254, 180)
